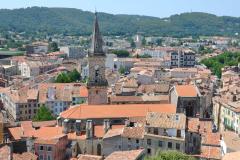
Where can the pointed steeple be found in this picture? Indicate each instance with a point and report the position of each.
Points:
(97, 41)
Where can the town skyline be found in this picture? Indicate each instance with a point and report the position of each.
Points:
(173, 93)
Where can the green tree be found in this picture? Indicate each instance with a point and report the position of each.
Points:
(63, 78)
(144, 42)
(43, 114)
(121, 53)
(122, 70)
(144, 56)
(170, 155)
(53, 47)
(217, 63)
(74, 76)
(69, 77)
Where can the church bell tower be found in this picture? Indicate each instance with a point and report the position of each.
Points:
(97, 84)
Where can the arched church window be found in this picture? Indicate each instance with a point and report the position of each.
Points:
(96, 71)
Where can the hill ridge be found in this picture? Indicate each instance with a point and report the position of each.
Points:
(71, 21)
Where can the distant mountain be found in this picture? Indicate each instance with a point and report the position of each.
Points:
(77, 22)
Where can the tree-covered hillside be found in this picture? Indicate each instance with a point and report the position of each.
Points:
(77, 22)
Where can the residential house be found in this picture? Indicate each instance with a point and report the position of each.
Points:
(58, 96)
(126, 138)
(227, 115)
(203, 141)
(53, 148)
(126, 86)
(183, 58)
(20, 104)
(74, 52)
(126, 63)
(165, 132)
(37, 48)
(154, 89)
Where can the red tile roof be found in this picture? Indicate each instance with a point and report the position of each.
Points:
(204, 127)
(232, 156)
(44, 124)
(89, 157)
(83, 91)
(211, 139)
(115, 111)
(125, 155)
(27, 128)
(25, 156)
(99, 131)
(113, 133)
(5, 152)
(48, 132)
(15, 132)
(186, 90)
(210, 152)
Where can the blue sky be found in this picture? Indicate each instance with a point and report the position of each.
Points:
(158, 8)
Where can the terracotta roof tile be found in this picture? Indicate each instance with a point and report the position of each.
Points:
(89, 157)
(15, 132)
(83, 91)
(199, 126)
(125, 155)
(232, 156)
(211, 139)
(64, 91)
(25, 156)
(165, 120)
(210, 152)
(186, 90)
(124, 99)
(32, 94)
(116, 111)
(134, 132)
(48, 132)
(99, 131)
(27, 128)
(113, 132)
(154, 88)
(44, 124)
(50, 140)
(5, 152)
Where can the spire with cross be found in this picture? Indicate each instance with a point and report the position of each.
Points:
(97, 41)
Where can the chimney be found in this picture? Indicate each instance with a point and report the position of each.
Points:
(65, 126)
(59, 121)
(106, 125)
(127, 122)
(198, 128)
(89, 129)
(78, 127)
(197, 115)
